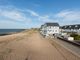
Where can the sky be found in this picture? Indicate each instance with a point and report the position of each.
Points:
(23, 14)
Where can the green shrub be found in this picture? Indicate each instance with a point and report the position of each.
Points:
(76, 36)
(73, 35)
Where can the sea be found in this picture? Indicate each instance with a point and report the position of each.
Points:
(5, 31)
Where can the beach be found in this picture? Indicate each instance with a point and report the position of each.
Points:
(28, 45)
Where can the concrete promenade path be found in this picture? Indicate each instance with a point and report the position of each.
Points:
(27, 46)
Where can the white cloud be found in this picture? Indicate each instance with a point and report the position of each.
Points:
(13, 14)
(33, 13)
(40, 18)
(11, 17)
(45, 18)
(22, 17)
(72, 15)
(62, 17)
(68, 17)
(6, 24)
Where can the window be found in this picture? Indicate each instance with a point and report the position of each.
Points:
(76, 26)
(49, 30)
(45, 31)
(50, 26)
(55, 30)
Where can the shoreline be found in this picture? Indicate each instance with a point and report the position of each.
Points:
(10, 33)
(4, 34)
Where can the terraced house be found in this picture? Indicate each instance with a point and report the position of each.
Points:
(71, 28)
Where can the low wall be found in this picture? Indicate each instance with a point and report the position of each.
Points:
(66, 53)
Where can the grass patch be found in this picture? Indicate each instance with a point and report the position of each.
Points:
(76, 36)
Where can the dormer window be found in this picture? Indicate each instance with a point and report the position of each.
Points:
(70, 26)
(76, 26)
(65, 26)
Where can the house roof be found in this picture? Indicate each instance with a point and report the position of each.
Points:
(42, 26)
(76, 26)
(52, 24)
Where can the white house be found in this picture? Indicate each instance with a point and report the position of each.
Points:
(50, 29)
(71, 28)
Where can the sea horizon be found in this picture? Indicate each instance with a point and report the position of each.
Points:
(6, 31)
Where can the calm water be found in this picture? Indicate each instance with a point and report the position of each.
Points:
(3, 31)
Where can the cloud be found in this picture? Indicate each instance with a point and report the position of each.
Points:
(63, 17)
(68, 17)
(6, 24)
(40, 18)
(12, 17)
(71, 15)
(33, 13)
(13, 14)
(45, 18)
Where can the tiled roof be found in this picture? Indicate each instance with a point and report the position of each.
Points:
(77, 26)
(52, 24)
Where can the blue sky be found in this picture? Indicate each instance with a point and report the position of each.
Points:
(33, 13)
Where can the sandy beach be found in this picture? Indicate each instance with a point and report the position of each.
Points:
(27, 46)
